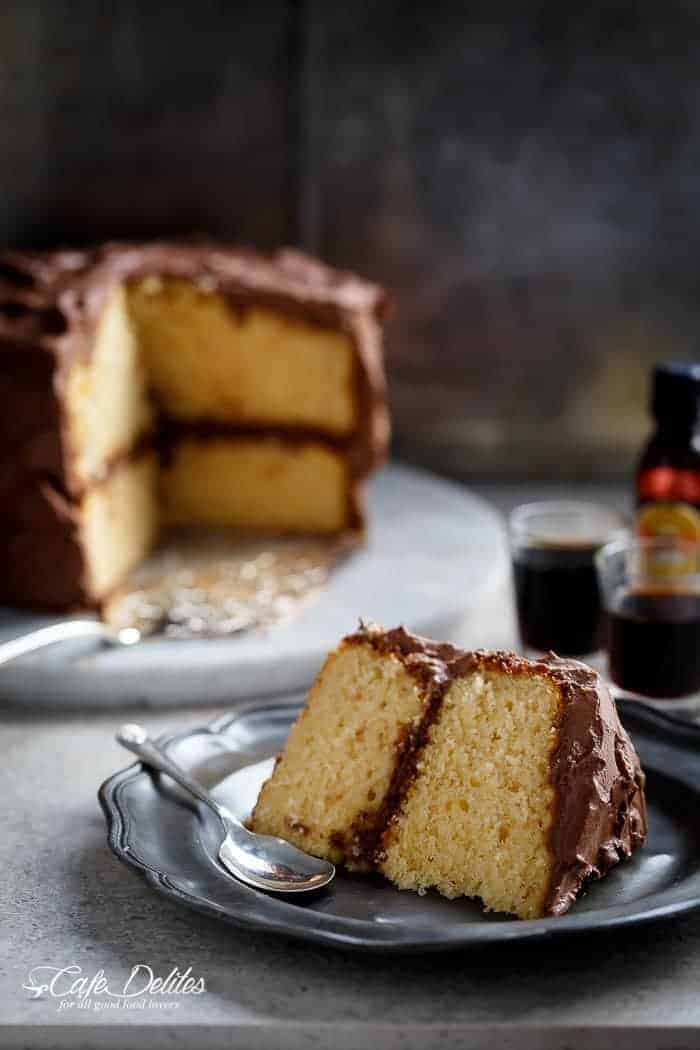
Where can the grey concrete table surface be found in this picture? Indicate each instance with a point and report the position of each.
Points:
(66, 901)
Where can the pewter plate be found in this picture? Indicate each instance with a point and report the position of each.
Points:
(174, 847)
(435, 560)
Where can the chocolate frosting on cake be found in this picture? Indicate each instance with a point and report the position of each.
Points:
(50, 305)
(52, 301)
(601, 813)
(599, 807)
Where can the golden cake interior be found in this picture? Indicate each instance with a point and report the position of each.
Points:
(176, 353)
(475, 813)
(119, 521)
(257, 483)
(341, 754)
(106, 399)
(208, 360)
(476, 819)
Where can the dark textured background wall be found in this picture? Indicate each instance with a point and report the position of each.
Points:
(528, 187)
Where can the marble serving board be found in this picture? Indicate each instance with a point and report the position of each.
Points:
(435, 559)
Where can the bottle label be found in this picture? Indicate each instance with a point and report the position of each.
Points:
(669, 519)
(677, 521)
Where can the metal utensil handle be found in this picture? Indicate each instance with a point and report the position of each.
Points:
(44, 636)
(135, 739)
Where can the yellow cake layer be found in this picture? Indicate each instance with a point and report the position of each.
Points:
(209, 361)
(106, 404)
(341, 753)
(119, 522)
(476, 819)
(258, 483)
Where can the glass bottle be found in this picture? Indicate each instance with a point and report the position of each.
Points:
(668, 476)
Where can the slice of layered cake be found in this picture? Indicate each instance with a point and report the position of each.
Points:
(479, 774)
(188, 383)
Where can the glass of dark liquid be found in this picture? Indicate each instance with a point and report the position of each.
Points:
(553, 546)
(651, 593)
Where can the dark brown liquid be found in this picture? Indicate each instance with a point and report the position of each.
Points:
(654, 643)
(558, 602)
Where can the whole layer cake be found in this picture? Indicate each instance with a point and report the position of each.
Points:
(189, 383)
(480, 774)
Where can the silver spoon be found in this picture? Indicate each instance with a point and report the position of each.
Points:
(65, 631)
(261, 861)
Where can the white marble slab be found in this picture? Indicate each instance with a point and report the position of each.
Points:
(435, 557)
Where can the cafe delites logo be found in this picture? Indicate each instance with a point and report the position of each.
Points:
(72, 988)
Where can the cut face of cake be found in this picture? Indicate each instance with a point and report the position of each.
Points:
(331, 789)
(178, 384)
(255, 482)
(478, 774)
(209, 360)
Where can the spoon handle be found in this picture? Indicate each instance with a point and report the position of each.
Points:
(56, 632)
(135, 739)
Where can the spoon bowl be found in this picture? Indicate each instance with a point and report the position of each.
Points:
(261, 861)
(271, 864)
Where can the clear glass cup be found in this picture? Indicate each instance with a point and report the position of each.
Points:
(650, 589)
(553, 548)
